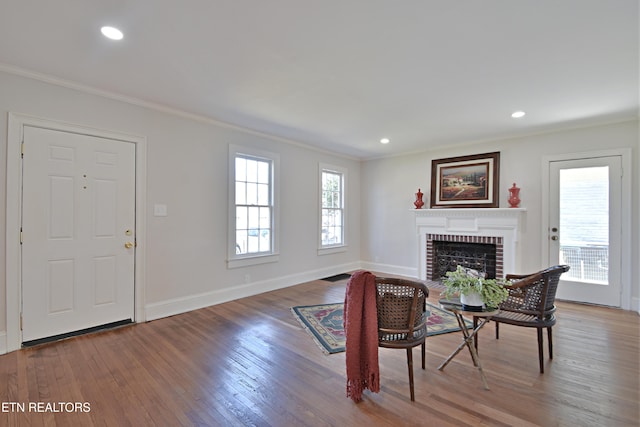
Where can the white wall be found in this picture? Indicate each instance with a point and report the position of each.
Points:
(187, 171)
(389, 241)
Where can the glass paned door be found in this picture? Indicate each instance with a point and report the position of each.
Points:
(584, 230)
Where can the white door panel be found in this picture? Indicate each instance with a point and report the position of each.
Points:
(78, 213)
(585, 228)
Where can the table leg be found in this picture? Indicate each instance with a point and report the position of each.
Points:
(463, 328)
(468, 342)
(477, 363)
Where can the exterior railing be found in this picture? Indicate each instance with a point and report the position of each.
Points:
(589, 263)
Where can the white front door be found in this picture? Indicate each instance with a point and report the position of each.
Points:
(78, 232)
(585, 228)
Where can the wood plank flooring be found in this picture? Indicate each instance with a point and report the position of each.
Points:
(248, 362)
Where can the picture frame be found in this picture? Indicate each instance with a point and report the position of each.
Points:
(466, 181)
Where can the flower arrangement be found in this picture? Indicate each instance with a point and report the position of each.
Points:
(465, 281)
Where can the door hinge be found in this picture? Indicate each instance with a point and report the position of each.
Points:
(21, 236)
(20, 321)
(22, 149)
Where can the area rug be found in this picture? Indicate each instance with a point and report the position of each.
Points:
(324, 323)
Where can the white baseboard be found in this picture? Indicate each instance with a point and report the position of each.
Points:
(3, 342)
(635, 305)
(390, 269)
(175, 306)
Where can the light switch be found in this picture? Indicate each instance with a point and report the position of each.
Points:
(159, 210)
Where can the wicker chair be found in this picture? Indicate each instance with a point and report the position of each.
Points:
(531, 303)
(402, 317)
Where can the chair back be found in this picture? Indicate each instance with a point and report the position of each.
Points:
(536, 293)
(552, 277)
(402, 316)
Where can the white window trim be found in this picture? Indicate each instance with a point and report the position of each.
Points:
(243, 260)
(342, 247)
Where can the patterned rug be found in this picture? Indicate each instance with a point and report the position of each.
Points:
(324, 323)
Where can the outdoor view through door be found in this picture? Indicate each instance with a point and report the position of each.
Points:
(584, 242)
(585, 228)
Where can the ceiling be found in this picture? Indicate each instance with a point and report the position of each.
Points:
(341, 75)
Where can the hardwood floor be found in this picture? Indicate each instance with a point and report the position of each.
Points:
(248, 362)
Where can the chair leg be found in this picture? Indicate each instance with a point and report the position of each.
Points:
(410, 366)
(497, 330)
(550, 343)
(540, 356)
(423, 354)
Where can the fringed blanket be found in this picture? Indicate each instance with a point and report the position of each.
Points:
(361, 331)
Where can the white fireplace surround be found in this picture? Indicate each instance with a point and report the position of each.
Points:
(489, 222)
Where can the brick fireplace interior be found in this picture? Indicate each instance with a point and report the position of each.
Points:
(445, 252)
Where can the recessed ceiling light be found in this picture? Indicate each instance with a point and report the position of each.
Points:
(384, 140)
(518, 114)
(112, 33)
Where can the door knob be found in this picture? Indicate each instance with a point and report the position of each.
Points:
(128, 245)
(554, 237)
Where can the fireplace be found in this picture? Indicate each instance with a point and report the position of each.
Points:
(446, 252)
(486, 238)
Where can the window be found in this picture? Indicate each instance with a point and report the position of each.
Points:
(252, 207)
(332, 212)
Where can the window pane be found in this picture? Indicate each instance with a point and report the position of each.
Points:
(252, 194)
(584, 223)
(253, 244)
(337, 218)
(263, 194)
(241, 241)
(325, 217)
(337, 236)
(254, 217)
(241, 193)
(333, 182)
(263, 172)
(331, 236)
(241, 218)
(265, 218)
(241, 169)
(265, 241)
(252, 170)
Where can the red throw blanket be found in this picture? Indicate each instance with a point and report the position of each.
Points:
(361, 331)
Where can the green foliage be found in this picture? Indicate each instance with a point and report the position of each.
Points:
(492, 291)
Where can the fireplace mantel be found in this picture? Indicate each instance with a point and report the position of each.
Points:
(506, 223)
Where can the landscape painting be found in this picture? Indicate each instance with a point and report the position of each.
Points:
(465, 181)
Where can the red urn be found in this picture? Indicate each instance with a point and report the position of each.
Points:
(419, 203)
(514, 193)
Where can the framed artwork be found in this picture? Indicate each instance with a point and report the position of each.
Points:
(466, 181)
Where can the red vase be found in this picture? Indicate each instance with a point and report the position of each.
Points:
(419, 203)
(514, 193)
